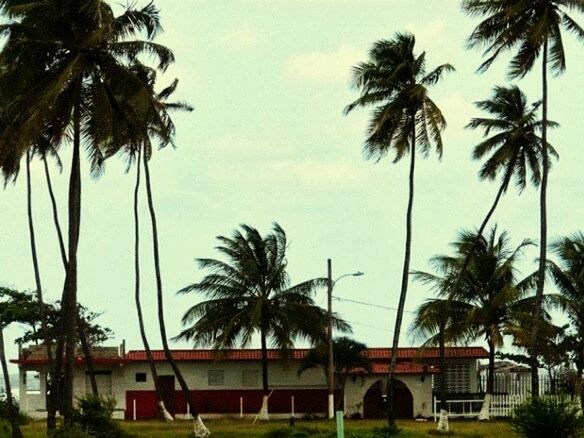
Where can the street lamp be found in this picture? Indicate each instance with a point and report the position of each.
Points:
(331, 366)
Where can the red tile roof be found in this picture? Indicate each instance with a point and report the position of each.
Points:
(429, 353)
(404, 368)
(299, 353)
(375, 354)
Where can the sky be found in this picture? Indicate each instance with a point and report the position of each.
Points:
(268, 141)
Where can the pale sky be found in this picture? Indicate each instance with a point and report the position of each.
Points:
(268, 142)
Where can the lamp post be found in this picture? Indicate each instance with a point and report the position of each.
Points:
(331, 363)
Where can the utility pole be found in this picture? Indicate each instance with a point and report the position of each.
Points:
(331, 361)
(331, 366)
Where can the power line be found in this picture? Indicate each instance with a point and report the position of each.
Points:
(371, 326)
(363, 303)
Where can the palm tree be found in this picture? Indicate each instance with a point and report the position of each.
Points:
(405, 120)
(490, 295)
(163, 412)
(349, 356)
(530, 28)
(514, 150)
(157, 125)
(568, 276)
(250, 294)
(439, 323)
(44, 149)
(87, 50)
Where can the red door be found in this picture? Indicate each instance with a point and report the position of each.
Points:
(166, 384)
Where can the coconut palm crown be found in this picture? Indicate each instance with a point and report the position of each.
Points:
(512, 147)
(395, 82)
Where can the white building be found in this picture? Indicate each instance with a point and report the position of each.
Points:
(229, 382)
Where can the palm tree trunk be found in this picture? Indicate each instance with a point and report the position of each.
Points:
(69, 298)
(81, 327)
(163, 412)
(543, 230)
(55, 213)
(580, 387)
(485, 413)
(404, 287)
(480, 231)
(264, 411)
(12, 410)
(491, 371)
(202, 430)
(37, 276)
(341, 397)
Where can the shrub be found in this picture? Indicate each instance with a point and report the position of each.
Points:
(542, 417)
(94, 417)
(5, 412)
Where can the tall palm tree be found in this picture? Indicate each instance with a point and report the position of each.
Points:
(405, 120)
(530, 29)
(349, 356)
(87, 50)
(159, 126)
(568, 276)
(250, 294)
(163, 412)
(490, 294)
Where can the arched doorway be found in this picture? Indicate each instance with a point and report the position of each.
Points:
(375, 401)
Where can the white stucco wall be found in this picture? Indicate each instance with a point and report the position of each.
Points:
(421, 390)
(123, 378)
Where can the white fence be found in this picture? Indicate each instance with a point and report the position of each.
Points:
(502, 405)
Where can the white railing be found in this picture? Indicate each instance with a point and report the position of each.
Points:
(502, 405)
(467, 410)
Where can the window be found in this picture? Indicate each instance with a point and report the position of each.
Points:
(32, 382)
(250, 378)
(457, 377)
(215, 377)
(140, 377)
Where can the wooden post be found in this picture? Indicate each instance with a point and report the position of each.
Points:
(240, 407)
(292, 405)
(134, 409)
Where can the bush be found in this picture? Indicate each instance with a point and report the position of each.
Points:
(542, 417)
(94, 417)
(5, 412)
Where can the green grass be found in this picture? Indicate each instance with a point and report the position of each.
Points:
(225, 428)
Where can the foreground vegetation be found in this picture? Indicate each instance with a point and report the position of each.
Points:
(273, 429)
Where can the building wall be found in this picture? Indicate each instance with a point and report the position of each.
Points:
(281, 378)
(421, 390)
